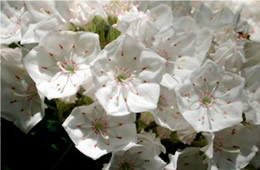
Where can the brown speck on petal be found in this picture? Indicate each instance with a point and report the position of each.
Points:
(61, 47)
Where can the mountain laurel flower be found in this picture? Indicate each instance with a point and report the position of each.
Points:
(143, 155)
(213, 99)
(189, 158)
(230, 55)
(230, 148)
(127, 77)
(60, 63)
(167, 113)
(21, 102)
(95, 133)
(11, 17)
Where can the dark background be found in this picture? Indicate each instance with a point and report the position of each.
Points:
(45, 147)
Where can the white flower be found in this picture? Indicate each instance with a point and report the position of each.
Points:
(139, 25)
(167, 113)
(252, 88)
(95, 133)
(230, 55)
(231, 148)
(205, 17)
(36, 14)
(60, 64)
(144, 155)
(183, 47)
(79, 12)
(127, 76)
(212, 100)
(21, 103)
(115, 8)
(151, 142)
(11, 16)
(189, 158)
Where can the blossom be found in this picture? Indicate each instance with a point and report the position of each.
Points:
(167, 113)
(126, 76)
(60, 64)
(151, 142)
(95, 133)
(231, 148)
(230, 55)
(21, 102)
(11, 17)
(189, 158)
(212, 100)
(36, 14)
(138, 156)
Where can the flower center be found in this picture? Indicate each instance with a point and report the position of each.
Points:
(99, 126)
(126, 165)
(121, 77)
(67, 66)
(206, 100)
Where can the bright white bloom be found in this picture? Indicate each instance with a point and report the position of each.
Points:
(252, 87)
(60, 64)
(205, 17)
(127, 76)
(139, 25)
(230, 55)
(142, 156)
(36, 14)
(47, 16)
(95, 133)
(79, 12)
(212, 100)
(21, 103)
(161, 15)
(11, 17)
(189, 158)
(115, 8)
(151, 142)
(167, 113)
(231, 148)
(183, 47)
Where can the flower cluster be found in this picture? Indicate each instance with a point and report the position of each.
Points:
(176, 71)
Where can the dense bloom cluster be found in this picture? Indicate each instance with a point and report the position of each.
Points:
(189, 68)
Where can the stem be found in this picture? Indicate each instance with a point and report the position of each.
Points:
(62, 157)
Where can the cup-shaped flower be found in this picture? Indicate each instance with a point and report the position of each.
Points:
(60, 64)
(167, 113)
(127, 76)
(213, 99)
(11, 17)
(188, 159)
(231, 148)
(143, 155)
(95, 133)
(21, 103)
